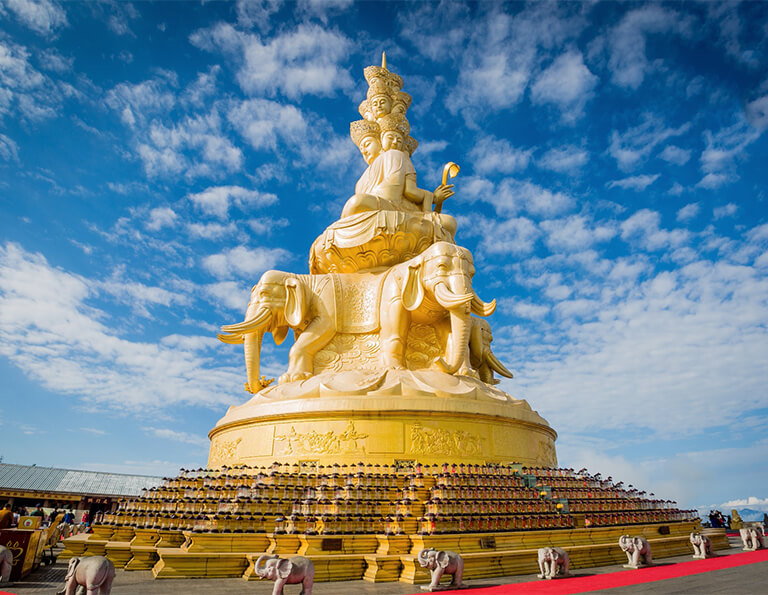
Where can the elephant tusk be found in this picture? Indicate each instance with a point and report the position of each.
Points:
(497, 366)
(251, 325)
(482, 308)
(443, 366)
(449, 300)
(230, 339)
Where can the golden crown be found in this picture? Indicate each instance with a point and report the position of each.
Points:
(359, 129)
(410, 145)
(395, 123)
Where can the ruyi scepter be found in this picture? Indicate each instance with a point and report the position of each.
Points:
(450, 169)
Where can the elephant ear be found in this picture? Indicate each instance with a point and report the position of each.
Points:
(412, 292)
(279, 334)
(284, 568)
(295, 302)
(443, 559)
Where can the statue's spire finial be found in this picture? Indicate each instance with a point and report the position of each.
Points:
(384, 60)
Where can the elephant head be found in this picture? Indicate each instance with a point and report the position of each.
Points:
(428, 558)
(481, 356)
(626, 543)
(443, 275)
(268, 570)
(278, 301)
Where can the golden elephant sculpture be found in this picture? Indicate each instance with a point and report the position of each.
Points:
(433, 288)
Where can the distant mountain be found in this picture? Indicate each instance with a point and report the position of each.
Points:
(750, 514)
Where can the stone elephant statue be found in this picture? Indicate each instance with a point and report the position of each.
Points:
(702, 545)
(553, 562)
(638, 551)
(6, 564)
(92, 575)
(440, 563)
(752, 538)
(433, 288)
(481, 357)
(286, 571)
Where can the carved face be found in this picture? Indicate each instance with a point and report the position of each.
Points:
(380, 105)
(370, 147)
(392, 139)
(452, 266)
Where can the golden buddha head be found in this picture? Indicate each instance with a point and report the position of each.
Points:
(394, 131)
(367, 136)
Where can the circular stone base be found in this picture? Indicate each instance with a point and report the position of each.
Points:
(383, 417)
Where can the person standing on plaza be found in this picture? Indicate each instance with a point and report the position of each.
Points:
(6, 516)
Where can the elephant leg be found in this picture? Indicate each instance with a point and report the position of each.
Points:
(542, 569)
(456, 582)
(106, 587)
(306, 586)
(394, 332)
(278, 589)
(302, 355)
(5, 571)
(565, 569)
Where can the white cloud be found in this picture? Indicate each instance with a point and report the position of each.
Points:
(42, 16)
(635, 144)
(161, 217)
(216, 200)
(176, 436)
(136, 103)
(568, 159)
(9, 150)
(263, 122)
(713, 181)
(212, 231)
(724, 148)
(676, 155)
(304, 61)
(511, 236)
(528, 310)
(628, 61)
(688, 212)
(244, 261)
(567, 83)
(728, 210)
(230, 294)
(637, 183)
(50, 330)
(575, 233)
(514, 195)
(25, 90)
(757, 112)
(644, 228)
(195, 147)
(491, 155)
(257, 13)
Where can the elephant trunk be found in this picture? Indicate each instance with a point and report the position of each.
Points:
(458, 345)
(261, 570)
(252, 348)
(423, 554)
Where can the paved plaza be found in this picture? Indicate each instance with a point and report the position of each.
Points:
(750, 578)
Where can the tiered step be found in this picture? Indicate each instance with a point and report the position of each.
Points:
(370, 522)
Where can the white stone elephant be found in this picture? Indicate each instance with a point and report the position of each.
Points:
(286, 571)
(433, 288)
(440, 563)
(554, 562)
(702, 545)
(6, 564)
(638, 551)
(752, 538)
(481, 357)
(92, 575)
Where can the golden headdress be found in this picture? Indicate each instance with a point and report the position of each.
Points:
(410, 145)
(380, 74)
(396, 123)
(401, 103)
(359, 129)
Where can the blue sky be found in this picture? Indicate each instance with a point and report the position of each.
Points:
(156, 158)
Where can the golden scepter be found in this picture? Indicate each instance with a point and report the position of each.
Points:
(449, 169)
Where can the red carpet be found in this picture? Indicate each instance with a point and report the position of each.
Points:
(584, 584)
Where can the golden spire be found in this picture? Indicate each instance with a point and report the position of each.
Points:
(384, 60)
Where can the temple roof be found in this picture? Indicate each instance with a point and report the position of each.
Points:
(73, 481)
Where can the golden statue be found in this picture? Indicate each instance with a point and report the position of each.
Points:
(385, 337)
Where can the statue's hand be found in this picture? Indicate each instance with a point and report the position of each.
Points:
(442, 192)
